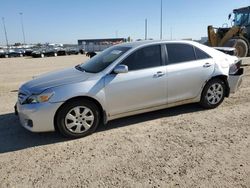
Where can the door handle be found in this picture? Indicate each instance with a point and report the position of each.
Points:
(159, 74)
(206, 65)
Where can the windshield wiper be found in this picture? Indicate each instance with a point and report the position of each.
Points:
(78, 67)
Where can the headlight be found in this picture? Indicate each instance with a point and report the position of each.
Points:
(33, 99)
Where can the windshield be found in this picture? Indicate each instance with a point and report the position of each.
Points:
(104, 59)
(241, 19)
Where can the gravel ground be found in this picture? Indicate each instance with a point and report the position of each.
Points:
(184, 146)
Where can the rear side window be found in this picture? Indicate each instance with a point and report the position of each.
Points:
(144, 58)
(178, 53)
(201, 54)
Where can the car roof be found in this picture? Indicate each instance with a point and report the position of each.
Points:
(211, 51)
(149, 42)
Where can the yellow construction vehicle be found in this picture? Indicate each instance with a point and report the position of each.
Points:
(237, 36)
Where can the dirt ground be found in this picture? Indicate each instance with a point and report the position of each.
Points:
(184, 146)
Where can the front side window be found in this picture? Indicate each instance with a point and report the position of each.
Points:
(104, 59)
(146, 57)
(178, 53)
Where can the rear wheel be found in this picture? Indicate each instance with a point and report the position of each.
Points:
(78, 118)
(213, 94)
(241, 48)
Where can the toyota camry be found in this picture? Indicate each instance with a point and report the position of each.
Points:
(124, 80)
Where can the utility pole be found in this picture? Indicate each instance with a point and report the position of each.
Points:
(5, 32)
(171, 33)
(21, 16)
(161, 23)
(146, 29)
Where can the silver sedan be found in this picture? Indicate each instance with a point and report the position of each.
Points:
(127, 79)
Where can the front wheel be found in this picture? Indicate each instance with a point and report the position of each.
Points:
(78, 118)
(213, 93)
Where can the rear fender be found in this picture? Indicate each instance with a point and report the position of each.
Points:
(224, 78)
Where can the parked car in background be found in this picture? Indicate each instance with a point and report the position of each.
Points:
(3, 53)
(44, 52)
(124, 80)
(28, 52)
(38, 53)
(82, 51)
(14, 53)
(51, 52)
(72, 51)
(61, 51)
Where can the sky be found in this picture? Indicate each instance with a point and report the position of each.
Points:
(66, 21)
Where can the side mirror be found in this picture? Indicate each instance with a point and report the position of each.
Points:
(121, 69)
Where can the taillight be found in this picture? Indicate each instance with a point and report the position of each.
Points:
(238, 64)
(235, 67)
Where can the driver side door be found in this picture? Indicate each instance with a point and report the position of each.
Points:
(143, 86)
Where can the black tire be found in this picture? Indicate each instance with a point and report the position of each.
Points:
(210, 101)
(66, 108)
(241, 48)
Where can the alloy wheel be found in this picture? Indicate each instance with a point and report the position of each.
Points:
(79, 119)
(215, 93)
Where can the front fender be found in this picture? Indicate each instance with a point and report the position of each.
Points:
(90, 88)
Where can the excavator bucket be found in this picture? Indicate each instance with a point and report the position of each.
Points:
(212, 36)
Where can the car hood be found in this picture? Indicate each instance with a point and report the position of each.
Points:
(54, 79)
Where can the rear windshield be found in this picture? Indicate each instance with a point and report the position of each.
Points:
(104, 59)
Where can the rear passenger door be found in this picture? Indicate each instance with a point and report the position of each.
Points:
(188, 68)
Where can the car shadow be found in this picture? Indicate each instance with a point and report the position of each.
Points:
(14, 137)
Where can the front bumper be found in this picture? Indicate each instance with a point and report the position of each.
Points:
(37, 117)
(235, 80)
